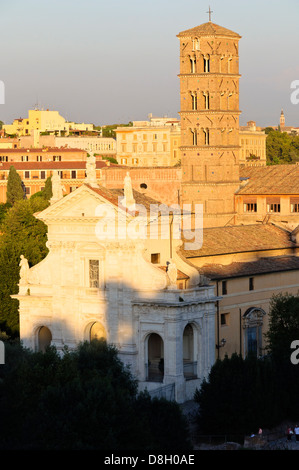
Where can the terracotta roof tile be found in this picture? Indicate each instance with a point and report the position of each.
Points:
(208, 29)
(241, 238)
(66, 165)
(273, 179)
(262, 266)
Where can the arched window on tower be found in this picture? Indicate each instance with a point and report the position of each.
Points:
(195, 44)
(194, 100)
(206, 63)
(229, 63)
(192, 64)
(207, 136)
(206, 95)
(194, 136)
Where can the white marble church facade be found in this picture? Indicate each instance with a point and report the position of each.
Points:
(92, 286)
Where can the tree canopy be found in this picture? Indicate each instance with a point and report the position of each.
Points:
(21, 233)
(281, 148)
(15, 187)
(84, 399)
(283, 325)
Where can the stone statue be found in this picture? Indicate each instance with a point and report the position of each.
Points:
(172, 273)
(24, 270)
(128, 200)
(91, 174)
(57, 188)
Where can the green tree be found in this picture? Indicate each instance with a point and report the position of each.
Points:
(83, 399)
(283, 325)
(15, 189)
(23, 234)
(4, 207)
(239, 396)
(45, 193)
(281, 148)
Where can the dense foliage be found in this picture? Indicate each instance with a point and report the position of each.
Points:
(283, 325)
(21, 233)
(86, 399)
(241, 395)
(15, 188)
(281, 148)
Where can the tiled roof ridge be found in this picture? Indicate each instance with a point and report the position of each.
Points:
(209, 28)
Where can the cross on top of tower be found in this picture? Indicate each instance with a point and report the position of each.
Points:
(210, 13)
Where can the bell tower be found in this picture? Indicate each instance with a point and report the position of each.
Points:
(282, 120)
(209, 91)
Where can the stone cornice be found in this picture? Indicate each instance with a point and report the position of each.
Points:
(210, 74)
(210, 111)
(210, 147)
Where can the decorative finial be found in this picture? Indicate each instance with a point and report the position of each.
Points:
(128, 201)
(210, 13)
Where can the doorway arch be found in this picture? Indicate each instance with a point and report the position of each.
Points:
(44, 338)
(155, 355)
(189, 363)
(96, 331)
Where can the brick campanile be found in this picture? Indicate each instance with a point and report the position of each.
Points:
(209, 91)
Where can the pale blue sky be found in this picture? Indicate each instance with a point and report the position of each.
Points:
(110, 62)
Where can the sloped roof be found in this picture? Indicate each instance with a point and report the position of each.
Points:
(52, 165)
(112, 196)
(241, 238)
(208, 29)
(272, 179)
(180, 275)
(261, 266)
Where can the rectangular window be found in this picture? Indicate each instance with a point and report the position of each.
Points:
(27, 174)
(224, 319)
(273, 204)
(155, 258)
(294, 204)
(27, 191)
(74, 174)
(251, 283)
(250, 207)
(94, 273)
(42, 175)
(39, 158)
(273, 207)
(224, 287)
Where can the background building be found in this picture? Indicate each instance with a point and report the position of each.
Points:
(253, 145)
(152, 143)
(43, 121)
